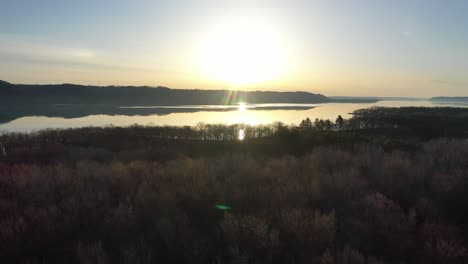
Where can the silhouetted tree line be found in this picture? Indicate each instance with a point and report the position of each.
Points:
(423, 122)
(317, 192)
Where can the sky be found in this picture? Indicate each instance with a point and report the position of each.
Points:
(413, 48)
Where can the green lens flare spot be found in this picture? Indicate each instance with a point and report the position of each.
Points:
(222, 207)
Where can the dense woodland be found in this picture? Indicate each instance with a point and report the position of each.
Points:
(386, 186)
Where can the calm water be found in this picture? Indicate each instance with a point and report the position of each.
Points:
(247, 114)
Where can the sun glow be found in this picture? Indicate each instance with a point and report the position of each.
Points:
(243, 52)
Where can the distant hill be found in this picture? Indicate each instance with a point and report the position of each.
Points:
(450, 99)
(366, 99)
(143, 95)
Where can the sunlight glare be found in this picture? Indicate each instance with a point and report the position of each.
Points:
(242, 52)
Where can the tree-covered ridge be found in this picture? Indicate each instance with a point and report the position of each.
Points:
(144, 95)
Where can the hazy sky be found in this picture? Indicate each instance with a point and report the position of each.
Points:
(381, 48)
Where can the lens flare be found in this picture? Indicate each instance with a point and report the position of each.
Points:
(223, 207)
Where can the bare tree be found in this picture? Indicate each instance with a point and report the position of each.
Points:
(339, 123)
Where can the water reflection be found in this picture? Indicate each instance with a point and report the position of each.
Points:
(242, 107)
(244, 114)
(241, 135)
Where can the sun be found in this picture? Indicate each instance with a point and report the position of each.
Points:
(242, 52)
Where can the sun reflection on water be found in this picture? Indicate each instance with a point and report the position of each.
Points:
(243, 115)
(241, 135)
(242, 107)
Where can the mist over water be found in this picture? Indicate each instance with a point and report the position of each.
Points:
(249, 115)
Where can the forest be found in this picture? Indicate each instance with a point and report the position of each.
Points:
(385, 186)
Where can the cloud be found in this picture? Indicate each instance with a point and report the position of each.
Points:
(407, 33)
(447, 82)
(33, 51)
(77, 53)
(25, 48)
